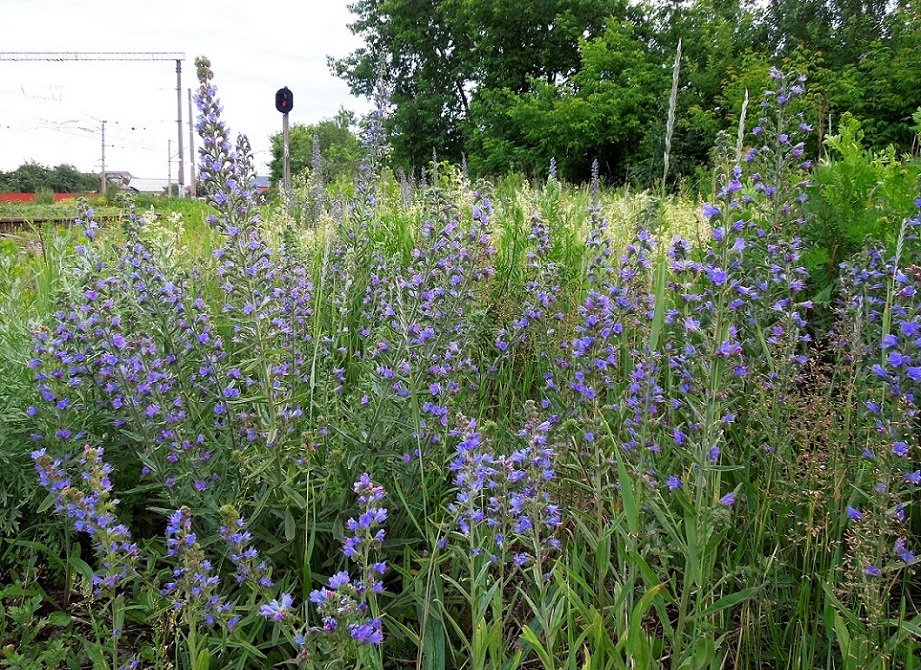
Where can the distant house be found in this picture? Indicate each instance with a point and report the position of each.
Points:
(262, 184)
(126, 181)
(149, 186)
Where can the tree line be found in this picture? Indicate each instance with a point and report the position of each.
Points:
(509, 84)
(33, 178)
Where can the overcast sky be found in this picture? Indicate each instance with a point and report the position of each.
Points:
(52, 112)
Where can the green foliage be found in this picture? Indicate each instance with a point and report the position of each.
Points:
(31, 639)
(511, 85)
(859, 194)
(33, 178)
(602, 112)
(440, 58)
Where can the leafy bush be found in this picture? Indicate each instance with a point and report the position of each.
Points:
(858, 195)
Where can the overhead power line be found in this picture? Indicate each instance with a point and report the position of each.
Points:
(60, 56)
(91, 55)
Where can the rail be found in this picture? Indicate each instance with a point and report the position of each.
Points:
(13, 224)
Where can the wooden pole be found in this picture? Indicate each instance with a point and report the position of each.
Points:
(102, 179)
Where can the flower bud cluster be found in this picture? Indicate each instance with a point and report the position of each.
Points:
(245, 557)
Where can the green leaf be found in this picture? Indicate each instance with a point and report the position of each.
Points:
(59, 619)
(295, 496)
(433, 641)
(203, 660)
(602, 551)
(95, 654)
(704, 651)
(243, 644)
(627, 497)
(658, 317)
(693, 548)
(46, 504)
(903, 630)
(844, 640)
(530, 637)
(726, 601)
(80, 566)
(290, 525)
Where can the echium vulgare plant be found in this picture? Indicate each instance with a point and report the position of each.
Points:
(738, 322)
(698, 342)
(88, 503)
(503, 524)
(612, 317)
(194, 586)
(350, 626)
(350, 259)
(266, 349)
(607, 377)
(124, 348)
(879, 338)
(198, 402)
(417, 353)
(775, 331)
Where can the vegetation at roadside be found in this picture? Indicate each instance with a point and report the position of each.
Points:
(448, 423)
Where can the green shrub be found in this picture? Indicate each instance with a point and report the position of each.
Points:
(857, 195)
(44, 197)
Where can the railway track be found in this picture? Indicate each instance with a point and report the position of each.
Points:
(15, 224)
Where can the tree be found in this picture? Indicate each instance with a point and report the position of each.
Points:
(440, 56)
(862, 57)
(891, 77)
(423, 49)
(513, 83)
(32, 177)
(67, 179)
(340, 150)
(602, 112)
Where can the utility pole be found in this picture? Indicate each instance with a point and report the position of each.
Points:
(287, 155)
(102, 180)
(179, 125)
(192, 180)
(169, 167)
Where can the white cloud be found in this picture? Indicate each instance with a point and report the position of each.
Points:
(51, 112)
